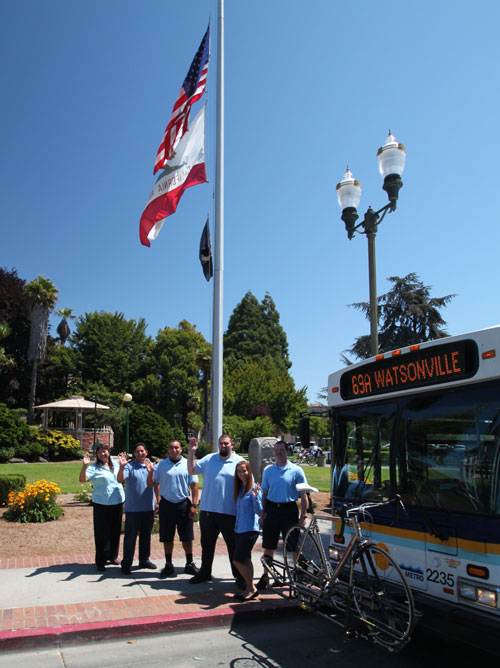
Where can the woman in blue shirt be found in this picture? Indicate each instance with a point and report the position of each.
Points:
(248, 499)
(107, 498)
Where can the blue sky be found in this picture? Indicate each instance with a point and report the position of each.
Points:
(87, 90)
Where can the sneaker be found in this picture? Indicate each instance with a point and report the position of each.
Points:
(263, 583)
(191, 569)
(200, 577)
(167, 571)
(126, 570)
(148, 564)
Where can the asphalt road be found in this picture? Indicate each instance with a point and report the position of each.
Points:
(301, 641)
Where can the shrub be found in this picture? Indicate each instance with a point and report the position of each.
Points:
(10, 483)
(30, 451)
(37, 502)
(59, 446)
(13, 430)
(6, 454)
(85, 493)
(148, 427)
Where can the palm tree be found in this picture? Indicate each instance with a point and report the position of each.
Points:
(63, 327)
(42, 296)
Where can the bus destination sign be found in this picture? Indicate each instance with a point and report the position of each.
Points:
(436, 364)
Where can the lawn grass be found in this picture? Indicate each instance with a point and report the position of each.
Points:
(318, 476)
(64, 474)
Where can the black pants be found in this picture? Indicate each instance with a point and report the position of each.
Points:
(137, 523)
(107, 529)
(211, 525)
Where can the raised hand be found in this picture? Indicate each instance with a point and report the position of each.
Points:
(149, 465)
(193, 444)
(122, 458)
(86, 459)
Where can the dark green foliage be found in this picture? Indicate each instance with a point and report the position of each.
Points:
(6, 454)
(407, 314)
(14, 379)
(260, 389)
(178, 360)
(148, 427)
(108, 348)
(14, 432)
(10, 483)
(254, 332)
(31, 451)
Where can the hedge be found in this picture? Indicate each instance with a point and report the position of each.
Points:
(10, 483)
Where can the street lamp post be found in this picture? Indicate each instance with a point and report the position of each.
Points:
(127, 398)
(391, 159)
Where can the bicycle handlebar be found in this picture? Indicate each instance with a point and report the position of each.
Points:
(346, 512)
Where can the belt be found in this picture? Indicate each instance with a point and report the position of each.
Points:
(282, 504)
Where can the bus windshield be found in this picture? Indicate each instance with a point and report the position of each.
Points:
(448, 457)
(445, 452)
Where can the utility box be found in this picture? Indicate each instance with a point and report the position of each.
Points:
(261, 454)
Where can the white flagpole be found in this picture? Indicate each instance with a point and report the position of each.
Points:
(217, 344)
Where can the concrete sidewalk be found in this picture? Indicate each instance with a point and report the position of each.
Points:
(45, 600)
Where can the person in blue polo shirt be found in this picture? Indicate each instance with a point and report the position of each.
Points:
(107, 501)
(218, 507)
(140, 504)
(279, 500)
(177, 509)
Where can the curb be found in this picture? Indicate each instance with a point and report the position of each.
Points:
(53, 636)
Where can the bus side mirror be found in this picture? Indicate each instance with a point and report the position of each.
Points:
(304, 431)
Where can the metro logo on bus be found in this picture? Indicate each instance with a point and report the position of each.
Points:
(421, 368)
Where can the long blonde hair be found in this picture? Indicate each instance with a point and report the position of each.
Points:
(238, 485)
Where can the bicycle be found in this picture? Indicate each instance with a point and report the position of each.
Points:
(366, 586)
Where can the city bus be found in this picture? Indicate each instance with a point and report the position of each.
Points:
(424, 422)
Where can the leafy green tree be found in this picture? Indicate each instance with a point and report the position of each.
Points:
(407, 314)
(42, 296)
(5, 360)
(254, 332)
(177, 360)
(14, 432)
(263, 386)
(108, 348)
(14, 378)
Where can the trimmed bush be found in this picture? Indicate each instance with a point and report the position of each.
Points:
(59, 446)
(6, 454)
(31, 451)
(10, 483)
(37, 502)
(13, 430)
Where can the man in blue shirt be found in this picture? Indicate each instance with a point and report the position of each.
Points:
(177, 510)
(279, 500)
(218, 507)
(139, 508)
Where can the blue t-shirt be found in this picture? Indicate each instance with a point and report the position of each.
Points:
(280, 482)
(248, 509)
(174, 478)
(138, 496)
(106, 488)
(218, 483)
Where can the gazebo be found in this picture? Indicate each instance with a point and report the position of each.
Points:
(75, 407)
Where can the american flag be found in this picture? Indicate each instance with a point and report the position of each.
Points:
(191, 90)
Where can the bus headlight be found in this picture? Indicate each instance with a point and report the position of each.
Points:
(478, 593)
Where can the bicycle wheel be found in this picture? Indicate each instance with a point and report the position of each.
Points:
(311, 460)
(382, 597)
(309, 569)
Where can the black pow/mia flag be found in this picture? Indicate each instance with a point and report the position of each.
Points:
(206, 253)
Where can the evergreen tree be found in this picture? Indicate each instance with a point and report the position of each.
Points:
(407, 314)
(254, 333)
